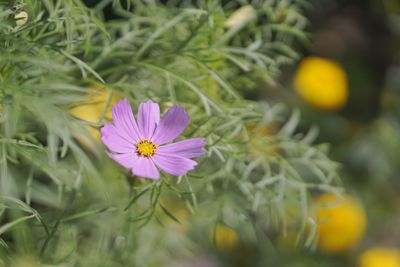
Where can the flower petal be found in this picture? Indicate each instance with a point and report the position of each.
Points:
(126, 160)
(148, 118)
(124, 121)
(171, 125)
(145, 167)
(174, 165)
(115, 140)
(190, 148)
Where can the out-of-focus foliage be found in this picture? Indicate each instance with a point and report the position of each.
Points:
(363, 38)
(66, 205)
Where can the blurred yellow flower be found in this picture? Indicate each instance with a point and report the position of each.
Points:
(322, 83)
(380, 257)
(263, 140)
(224, 237)
(91, 109)
(269, 129)
(240, 16)
(342, 223)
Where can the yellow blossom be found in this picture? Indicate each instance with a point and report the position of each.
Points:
(322, 83)
(342, 223)
(224, 237)
(90, 111)
(380, 257)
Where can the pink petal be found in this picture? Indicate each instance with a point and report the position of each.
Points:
(126, 160)
(190, 148)
(115, 140)
(124, 121)
(174, 165)
(145, 167)
(171, 125)
(148, 118)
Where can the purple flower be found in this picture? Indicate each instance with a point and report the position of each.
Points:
(141, 146)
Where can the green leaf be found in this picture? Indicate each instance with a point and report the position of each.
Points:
(6, 227)
(168, 213)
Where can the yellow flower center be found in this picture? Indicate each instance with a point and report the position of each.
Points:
(145, 148)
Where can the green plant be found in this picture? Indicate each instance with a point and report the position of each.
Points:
(69, 206)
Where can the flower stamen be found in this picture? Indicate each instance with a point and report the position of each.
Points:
(145, 148)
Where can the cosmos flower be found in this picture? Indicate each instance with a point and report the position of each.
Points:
(143, 145)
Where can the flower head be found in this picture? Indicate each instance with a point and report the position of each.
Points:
(143, 144)
(322, 83)
(342, 223)
(225, 238)
(90, 111)
(380, 256)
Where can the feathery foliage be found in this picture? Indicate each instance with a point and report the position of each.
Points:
(68, 205)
